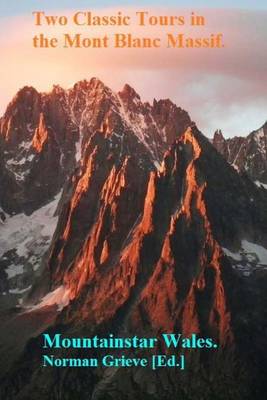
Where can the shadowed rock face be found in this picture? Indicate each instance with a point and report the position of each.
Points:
(153, 228)
(246, 154)
(164, 264)
(157, 259)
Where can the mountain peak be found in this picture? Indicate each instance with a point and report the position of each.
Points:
(129, 93)
(26, 91)
(246, 154)
(88, 85)
(25, 97)
(218, 135)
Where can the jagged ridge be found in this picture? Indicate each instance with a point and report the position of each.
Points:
(246, 154)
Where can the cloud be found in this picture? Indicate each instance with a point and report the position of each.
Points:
(221, 88)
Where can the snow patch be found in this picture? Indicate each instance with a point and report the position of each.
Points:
(249, 258)
(260, 184)
(19, 291)
(14, 270)
(78, 146)
(59, 297)
(259, 134)
(23, 242)
(234, 256)
(157, 164)
(256, 249)
(137, 124)
(18, 231)
(25, 145)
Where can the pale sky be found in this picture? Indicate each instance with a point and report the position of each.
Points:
(15, 7)
(221, 88)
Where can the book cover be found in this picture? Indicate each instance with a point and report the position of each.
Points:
(133, 200)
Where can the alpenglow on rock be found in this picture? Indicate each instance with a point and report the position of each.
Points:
(126, 220)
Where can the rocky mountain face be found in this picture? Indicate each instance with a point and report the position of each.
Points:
(150, 231)
(246, 154)
(42, 134)
(38, 140)
(44, 138)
